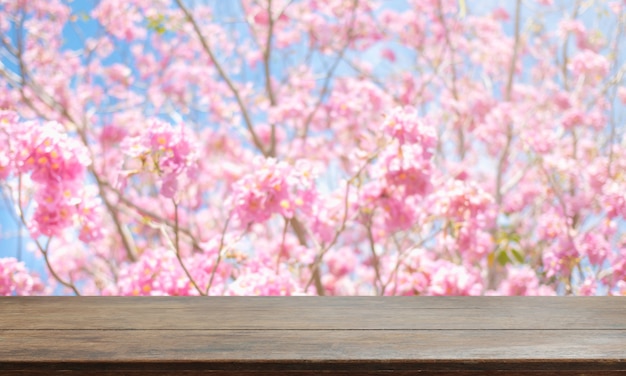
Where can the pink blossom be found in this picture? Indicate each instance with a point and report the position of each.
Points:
(341, 262)
(388, 54)
(261, 281)
(8, 124)
(413, 276)
(474, 243)
(567, 26)
(464, 202)
(272, 188)
(119, 74)
(51, 156)
(621, 94)
(614, 200)
(264, 192)
(551, 225)
(327, 212)
(120, 18)
(57, 164)
(588, 287)
(112, 134)
(491, 131)
(16, 280)
(449, 279)
(572, 118)
(169, 153)
(595, 247)
(90, 214)
(398, 211)
(616, 7)
(407, 166)
(522, 281)
(50, 222)
(157, 272)
(589, 64)
(501, 14)
(405, 126)
(5, 170)
(560, 258)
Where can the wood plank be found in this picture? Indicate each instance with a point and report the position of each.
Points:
(309, 345)
(410, 313)
(264, 369)
(311, 336)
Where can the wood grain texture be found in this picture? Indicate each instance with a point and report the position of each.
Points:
(312, 335)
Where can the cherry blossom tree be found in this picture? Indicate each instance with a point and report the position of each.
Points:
(315, 147)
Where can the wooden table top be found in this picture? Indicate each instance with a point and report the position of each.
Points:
(313, 335)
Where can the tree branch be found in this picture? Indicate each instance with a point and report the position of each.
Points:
(222, 73)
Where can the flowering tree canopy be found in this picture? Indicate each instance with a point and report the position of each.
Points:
(318, 147)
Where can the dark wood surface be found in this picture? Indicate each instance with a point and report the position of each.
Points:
(312, 335)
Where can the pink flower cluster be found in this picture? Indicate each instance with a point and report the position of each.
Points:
(407, 160)
(8, 128)
(465, 202)
(409, 167)
(57, 164)
(90, 216)
(273, 188)
(560, 257)
(15, 279)
(404, 125)
(522, 281)
(451, 279)
(590, 65)
(570, 248)
(578, 29)
(120, 18)
(157, 272)
(398, 210)
(471, 213)
(169, 153)
(424, 273)
(403, 171)
(614, 200)
(262, 281)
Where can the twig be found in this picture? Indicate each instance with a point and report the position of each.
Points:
(219, 256)
(220, 70)
(175, 246)
(509, 88)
